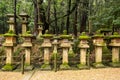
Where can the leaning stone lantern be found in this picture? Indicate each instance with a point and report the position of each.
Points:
(46, 45)
(10, 40)
(11, 22)
(115, 44)
(98, 42)
(65, 44)
(83, 45)
(27, 44)
(24, 17)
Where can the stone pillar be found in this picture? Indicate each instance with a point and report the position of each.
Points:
(9, 53)
(46, 45)
(65, 44)
(24, 17)
(27, 44)
(83, 45)
(11, 22)
(115, 44)
(98, 43)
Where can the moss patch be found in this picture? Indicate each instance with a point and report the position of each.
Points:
(81, 66)
(64, 66)
(8, 67)
(10, 33)
(115, 64)
(46, 66)
(98, 65)
(115, 35)
(84, 36)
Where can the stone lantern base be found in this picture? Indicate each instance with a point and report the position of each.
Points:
(46, 66)
(81, 66)
(115, 64)
(98, 65)
(8, 67)
(64, 66)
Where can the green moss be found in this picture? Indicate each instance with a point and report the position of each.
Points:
(71, 53)
(98, 65)
(115, 64)
(8, 67)
(98, 34)
(27, 34)
(65, 36)
(10, 33)
(45, 66)
(64, 66)
(57, 55)
(115, 35)
(82, 66)
(47, 36)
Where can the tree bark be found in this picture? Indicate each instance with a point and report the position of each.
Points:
(84, 16)
(55, 16)
(75, 21)
(68, 16)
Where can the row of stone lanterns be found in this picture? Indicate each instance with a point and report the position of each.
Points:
(10, 41)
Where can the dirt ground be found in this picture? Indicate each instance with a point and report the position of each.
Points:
(92, 74)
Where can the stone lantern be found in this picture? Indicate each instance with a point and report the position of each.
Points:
(39, 30)
(98, 42)
(24, 17)
(27, 44)
(83, 45)
(10, 40)
(115, 44)
(46, 45)
(65, 44)
(11, 22)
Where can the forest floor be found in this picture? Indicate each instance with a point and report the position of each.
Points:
(92, 74)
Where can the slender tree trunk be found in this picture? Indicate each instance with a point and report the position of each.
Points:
(15, 23)
(35, 17)
(48, 11)
(55, 16)
(68, 17)
(84, 16)
(75, 22)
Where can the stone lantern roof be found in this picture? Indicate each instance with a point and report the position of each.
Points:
(23, 14)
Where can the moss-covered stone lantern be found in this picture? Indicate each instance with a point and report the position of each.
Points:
(10, 40)
(40, 28)
(46, 45)
(11, 22)
(24, 17)
(115, 43)
(27, 44)
(98, 42)
(65, 44)
(83, 45)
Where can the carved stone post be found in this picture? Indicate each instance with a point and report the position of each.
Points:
(83, 45)
(98, 43)
(46, 45)
(115, 43)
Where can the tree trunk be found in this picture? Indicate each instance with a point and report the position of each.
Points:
(55, 16)
(35, 17)
(75, 22)
(68, 17)
(84, 16)
(15, 23)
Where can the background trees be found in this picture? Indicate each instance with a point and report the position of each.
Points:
(56, 15)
